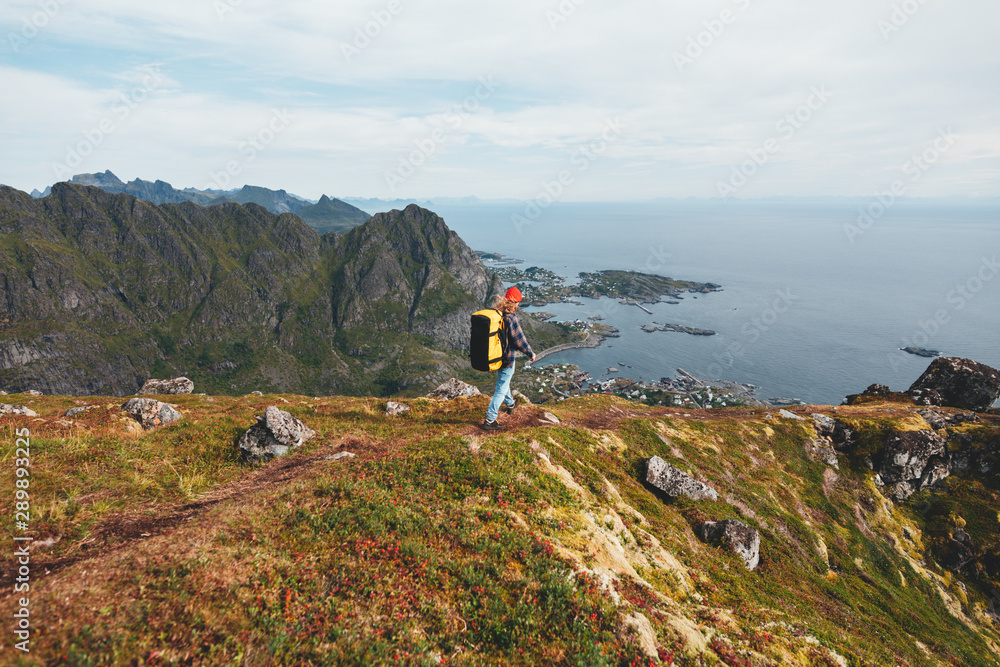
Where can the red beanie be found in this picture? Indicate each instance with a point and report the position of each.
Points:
(513, 294)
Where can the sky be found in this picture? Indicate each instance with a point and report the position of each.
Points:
(579, 100)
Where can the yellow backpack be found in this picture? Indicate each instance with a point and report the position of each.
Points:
(488, 342)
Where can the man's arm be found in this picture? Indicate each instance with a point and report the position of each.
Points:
(518, 339)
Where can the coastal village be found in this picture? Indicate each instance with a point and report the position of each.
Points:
(558, 382)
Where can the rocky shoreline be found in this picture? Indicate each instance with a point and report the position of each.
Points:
(593, 338)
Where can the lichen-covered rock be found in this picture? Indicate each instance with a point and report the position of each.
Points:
(394, 408)
(180, 385)
(150, 412)
(960, 383)
(674, 482)
(454, 388)
(821, 450)
(72, 412)
(928, 397)
(835, 430)
(743, 540)
(904, 462)
(939, 421)
(273, 435)
(7, 409)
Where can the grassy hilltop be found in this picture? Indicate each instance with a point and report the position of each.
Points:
(440, 544)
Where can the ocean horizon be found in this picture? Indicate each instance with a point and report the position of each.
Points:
(817, 299)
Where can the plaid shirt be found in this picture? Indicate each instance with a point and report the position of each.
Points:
(515, 340)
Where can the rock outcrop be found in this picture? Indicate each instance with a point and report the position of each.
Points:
(873, 390)
(737, 536)
(8, 409)
(674, 482)
(275, 434)
(151, 413)
(959, 383)
(839, 434)
(910, 461)
(72, 412)
(454, 388)
(395, 408)
(180, 385)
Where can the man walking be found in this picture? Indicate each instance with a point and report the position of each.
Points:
(516, 341)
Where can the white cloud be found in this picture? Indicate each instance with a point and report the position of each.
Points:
(226, 70)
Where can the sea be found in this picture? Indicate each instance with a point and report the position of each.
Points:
(817, 298)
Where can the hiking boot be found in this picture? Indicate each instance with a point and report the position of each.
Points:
(509, 409)
(491, 425)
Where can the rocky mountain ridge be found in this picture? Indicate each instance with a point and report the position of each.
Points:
(102, 291)
(327, 215)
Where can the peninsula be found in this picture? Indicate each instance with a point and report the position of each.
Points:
(542, 286)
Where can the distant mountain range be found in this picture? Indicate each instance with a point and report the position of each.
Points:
(328, 215)
(100, 291)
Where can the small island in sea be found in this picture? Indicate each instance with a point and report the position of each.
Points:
(920, 351)
(650, 328)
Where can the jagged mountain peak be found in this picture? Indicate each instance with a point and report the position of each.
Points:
(105, 180)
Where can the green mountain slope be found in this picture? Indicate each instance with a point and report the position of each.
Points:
(102, 291)
(428, 542)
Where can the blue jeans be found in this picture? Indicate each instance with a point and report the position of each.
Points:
(502, 393)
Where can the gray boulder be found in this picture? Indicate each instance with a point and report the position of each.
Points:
(454, 388)
(821, 450)
(904, 464)
(960, 383)
(834, 430)
(743, 540)
(7, 409)
(939, 421)
(273, 435)
(674, 482)
(180, 385)
(150, 412)
(72, 412)
(394, 408)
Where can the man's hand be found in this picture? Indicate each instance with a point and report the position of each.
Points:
(532, 358)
